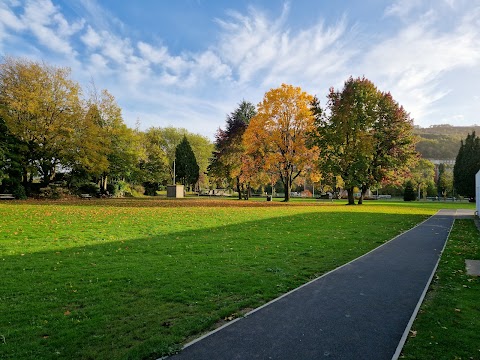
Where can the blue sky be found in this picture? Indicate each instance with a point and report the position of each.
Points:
(188, 63)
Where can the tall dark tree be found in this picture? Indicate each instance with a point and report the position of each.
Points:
(12, 153)
(226, 163)
(409, 193)
(186, 166)
(467, 164)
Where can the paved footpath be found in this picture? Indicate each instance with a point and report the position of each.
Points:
(362, 310)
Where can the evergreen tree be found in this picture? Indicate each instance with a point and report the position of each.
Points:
(467, 164)
(186, 166)
(409, 194)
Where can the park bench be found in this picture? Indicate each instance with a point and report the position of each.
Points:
(7, 197)
(85, 196)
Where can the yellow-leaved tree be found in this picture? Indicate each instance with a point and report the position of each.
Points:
(41, 107)
(276, 138)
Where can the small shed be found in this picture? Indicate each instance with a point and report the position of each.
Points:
(175, 191)
(477, 192)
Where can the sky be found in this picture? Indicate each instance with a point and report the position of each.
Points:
(189, 63)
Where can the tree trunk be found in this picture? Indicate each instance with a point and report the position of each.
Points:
(25, 178)
(351, 198)
(362, 195)
(103, 184)
(238, 189)
(287, 186)
(46, 172)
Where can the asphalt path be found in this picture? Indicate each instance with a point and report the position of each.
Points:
(362, 310)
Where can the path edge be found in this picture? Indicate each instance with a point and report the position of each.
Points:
(404, 337)
(312, 281)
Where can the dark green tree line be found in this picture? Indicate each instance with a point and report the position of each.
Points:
(467, 164)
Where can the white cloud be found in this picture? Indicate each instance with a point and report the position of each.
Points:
(402, 8)
(413, 62)
(91, 38)
(253, 52)
(9, 20)
(211, 64)
(259, 48)
(155, 56)
(43, 20)
(98, 62)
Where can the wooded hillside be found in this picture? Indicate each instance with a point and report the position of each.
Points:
(442, 141)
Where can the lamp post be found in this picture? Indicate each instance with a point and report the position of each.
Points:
(173, 172)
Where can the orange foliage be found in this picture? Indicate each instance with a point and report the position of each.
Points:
(276, 138)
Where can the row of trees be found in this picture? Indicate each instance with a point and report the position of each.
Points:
(47, 126)
(361, 138)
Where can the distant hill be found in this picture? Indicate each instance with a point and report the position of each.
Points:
(442, 141)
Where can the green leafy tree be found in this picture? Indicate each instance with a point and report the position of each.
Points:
(92, 143)
(41, 107)
(227, 157)
(202, 147)
(154, 168)
(117, 148)
(393, 144)
(186, 166)
(423, 175)
(467, 164)
(168, 139)
(343, 136)
(366, 137)
(445, 180)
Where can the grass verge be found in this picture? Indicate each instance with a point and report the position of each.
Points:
(448, 323)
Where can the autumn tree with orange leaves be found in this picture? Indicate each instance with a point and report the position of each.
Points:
(276, 138)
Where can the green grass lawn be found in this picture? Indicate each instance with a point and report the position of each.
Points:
(448, 324)
(134, 279)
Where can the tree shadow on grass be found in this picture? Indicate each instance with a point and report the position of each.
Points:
(142, 298)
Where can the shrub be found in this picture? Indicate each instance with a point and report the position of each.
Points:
(121, 189)
(52, 192)
(151, 188)
(88, 188)
(14, 187)
(137, 190)
(409, 194)
(306, 193)
(111, 189)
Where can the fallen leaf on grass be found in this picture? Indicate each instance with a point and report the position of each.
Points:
(66, 313)
(413, 333)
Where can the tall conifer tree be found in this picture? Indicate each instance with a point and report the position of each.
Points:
(186, 166)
